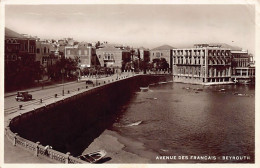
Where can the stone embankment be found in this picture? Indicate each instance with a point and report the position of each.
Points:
(12, 121)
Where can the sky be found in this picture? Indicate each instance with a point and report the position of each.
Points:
(138, 25)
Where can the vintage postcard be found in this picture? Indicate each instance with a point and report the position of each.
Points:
(129, 84)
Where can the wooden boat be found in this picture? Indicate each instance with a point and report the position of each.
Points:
(93, 157)
(222, 90)
(144, 89)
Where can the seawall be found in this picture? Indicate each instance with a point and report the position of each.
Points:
(70, 125)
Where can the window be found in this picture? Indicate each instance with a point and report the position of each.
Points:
(68, 52)
(38, 50)
(79, 52)
(99, 56)
(85, 52)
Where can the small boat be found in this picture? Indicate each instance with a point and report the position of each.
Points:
(93, 157)
(134, 124)
(162, 82)
(242, 94)
(144, 89)
(246, 82)
(222, 90)
(198, 89)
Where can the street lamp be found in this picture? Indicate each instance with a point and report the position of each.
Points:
(62, 72)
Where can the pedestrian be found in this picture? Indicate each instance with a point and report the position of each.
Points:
(46, 149)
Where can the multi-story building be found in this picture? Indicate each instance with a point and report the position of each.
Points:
(84, 51)
(164, 51)
(19, 59)
(12, 46)
(18, 46)
(46, 53)
(144, 54)
(243, 69)
(110, 56)
(202, 64)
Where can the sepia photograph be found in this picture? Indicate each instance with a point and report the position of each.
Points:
(126, 83)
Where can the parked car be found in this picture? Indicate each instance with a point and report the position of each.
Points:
(23, 96)
(89, 82)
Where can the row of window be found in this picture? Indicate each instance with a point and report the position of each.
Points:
(242, 63)
(213, 72)
(201, 53)
(44, 50)
(244, 72)
(79, 52)
(9, 41)
(22, 47)
(157, 54)
(187, 61)
(189, 71)
(107, 56)
(11, 57)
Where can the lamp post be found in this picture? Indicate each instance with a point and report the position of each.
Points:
(62, 72)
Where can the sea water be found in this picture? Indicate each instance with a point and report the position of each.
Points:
(187, 123)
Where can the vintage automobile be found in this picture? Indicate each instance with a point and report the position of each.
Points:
(23, 96)
(89, 82)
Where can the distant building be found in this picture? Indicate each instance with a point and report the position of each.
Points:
(164, 51)
(243, 69)
(19, 46)
(46, 53)
(19, 59)
(84, 51)
(144, 54)
(110, 56)
(202, 64)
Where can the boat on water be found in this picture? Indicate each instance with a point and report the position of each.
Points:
(222, 90)
(162, 82)
(93, 157)
(198, 89)
(144, 89)
(245, 82)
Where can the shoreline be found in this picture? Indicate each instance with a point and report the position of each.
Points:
(121, 149)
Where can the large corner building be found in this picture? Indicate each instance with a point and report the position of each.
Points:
(202, 64)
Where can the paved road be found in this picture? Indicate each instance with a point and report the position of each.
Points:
(11, 105)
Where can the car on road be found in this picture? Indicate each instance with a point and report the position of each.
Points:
(89, 82)
(23, 96)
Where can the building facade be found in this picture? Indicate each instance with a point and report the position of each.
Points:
(243, 69)
(19, 47)
(110, 56)
(84, 51)
(144, 54)
(202, 64)
(164, 51)
(46, 54)
(19, 57)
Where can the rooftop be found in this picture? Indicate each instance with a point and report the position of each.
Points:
(12, 34)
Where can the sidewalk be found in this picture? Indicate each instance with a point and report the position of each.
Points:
(13, 93)
(19, 155)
